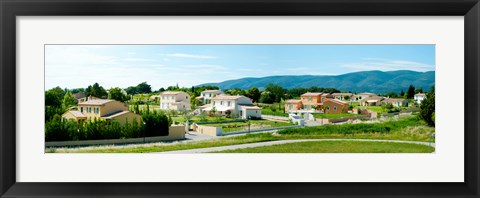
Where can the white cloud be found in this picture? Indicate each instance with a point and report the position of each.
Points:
(388, 65)
(196, 56)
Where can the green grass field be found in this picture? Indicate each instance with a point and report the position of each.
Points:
(334, 116)
(338, 147)
(254, 124)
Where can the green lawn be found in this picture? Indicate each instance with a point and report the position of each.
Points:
(338, 147)
(334, 116)
(254, 124)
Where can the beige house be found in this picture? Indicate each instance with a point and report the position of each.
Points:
(238, 106)
(207, 95)
(174, 100)
(372, 101)
(102, 109)
(293, 105)
(396, 102)
(362, 96)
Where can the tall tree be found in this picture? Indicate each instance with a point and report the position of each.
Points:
(402, 93)
(267, 97)
(277, 91)
(131, 90)
(68, 100)
(144, 88)
(96, 90)
(410, 92)
(54, 97)
(118, 94)
(427, 108)
(254, 94)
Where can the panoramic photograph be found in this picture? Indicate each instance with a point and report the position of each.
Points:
(249, 98)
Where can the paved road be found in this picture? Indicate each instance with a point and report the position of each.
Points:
(251, 145)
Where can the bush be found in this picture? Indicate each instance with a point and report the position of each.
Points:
(156, 123)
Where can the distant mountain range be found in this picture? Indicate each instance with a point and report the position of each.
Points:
(365, 81)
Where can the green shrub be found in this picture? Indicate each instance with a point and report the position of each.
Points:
(156, 123)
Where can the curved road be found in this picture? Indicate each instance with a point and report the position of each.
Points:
(270, 143)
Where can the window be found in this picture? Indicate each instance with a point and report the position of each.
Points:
(328, 107)
(89, 109)
(163, 97)
(334, 108)
(322, 99)
(228, 103)
(186, 97)
(81, 109)
(309, 98)
(213, 103)
(290, 106)
(96, 110)
(221, 102)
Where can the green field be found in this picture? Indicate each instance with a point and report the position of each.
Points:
(338, 147)
(334, 116)
(254, 124)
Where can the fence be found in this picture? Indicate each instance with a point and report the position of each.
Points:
(174, 133)
(208, 130)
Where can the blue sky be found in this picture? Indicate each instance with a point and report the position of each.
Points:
(75, 66)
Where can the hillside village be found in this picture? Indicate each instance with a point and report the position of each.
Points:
(178, 114)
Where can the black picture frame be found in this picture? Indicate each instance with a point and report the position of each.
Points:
(9, 9)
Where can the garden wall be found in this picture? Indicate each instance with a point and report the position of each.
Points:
(174, 133)
(209, 130)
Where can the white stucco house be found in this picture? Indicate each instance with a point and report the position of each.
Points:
(239, 106)
(174, 100)
(419, 97)
(207, 95)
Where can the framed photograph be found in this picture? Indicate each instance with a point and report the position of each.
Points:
(239, 99)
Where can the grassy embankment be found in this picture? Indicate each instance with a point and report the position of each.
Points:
(338, 147)
(408, 128)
